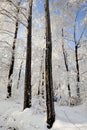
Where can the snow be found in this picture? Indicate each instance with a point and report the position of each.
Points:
(12, 116)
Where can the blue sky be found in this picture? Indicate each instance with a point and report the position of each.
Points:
(40, 8)
(79, 26)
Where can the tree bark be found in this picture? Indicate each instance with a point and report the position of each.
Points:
(27, 86)
(9, 87)
(48, 69)
(66, 63)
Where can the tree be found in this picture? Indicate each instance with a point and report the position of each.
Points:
(9, 86)
(48, 70)
(42, 75)
(19, 74)
(76, 33)
(77, 42)
(66, 62)
(27, 85)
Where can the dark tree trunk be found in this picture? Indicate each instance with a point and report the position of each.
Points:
(66, 63)
(9, 87)
(27, 86)
(77, 68)
(48, 69)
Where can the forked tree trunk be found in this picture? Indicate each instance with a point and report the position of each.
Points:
(9, 86)
(48, 69)
(66, 63)
(27, 85)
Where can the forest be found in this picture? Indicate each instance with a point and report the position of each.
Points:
(43, 64)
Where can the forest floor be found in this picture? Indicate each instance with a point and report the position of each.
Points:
(12, 117)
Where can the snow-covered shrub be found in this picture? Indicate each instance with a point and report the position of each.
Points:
(39, 105)
(63, 102)
(69, 101)
(73, 101)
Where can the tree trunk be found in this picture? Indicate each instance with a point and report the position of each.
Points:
(27, 86)
(77, 68)
(48, 69)
(42, 76)
(43, 84)
(19, 75)
(66, 63)
(9, 87)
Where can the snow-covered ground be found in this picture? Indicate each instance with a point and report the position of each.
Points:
(12, 117)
